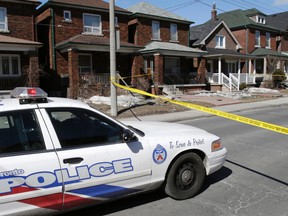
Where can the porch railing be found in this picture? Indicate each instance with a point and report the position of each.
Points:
(233, 80)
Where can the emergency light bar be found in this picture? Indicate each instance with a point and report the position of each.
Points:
(28, 95)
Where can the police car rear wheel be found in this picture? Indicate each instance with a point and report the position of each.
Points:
(185, 177)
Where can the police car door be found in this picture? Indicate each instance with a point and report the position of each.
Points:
(28, 184)
(97, 165)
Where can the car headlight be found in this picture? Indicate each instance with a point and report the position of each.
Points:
(216, 145)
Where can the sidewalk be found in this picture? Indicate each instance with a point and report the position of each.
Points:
(194, 114)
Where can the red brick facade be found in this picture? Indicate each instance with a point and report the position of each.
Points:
(21, 25)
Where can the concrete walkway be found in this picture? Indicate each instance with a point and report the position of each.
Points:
(231, 108)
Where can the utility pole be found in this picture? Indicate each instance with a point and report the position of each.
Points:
(113, 90)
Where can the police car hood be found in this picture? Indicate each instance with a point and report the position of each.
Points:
(165, 129)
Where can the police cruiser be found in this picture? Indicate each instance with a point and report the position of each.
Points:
(60, 154)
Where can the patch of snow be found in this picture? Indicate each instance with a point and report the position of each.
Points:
(122, 100)
(262, 90)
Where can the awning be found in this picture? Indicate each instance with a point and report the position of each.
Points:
(170, 49)
(17, 44)
(94, 43)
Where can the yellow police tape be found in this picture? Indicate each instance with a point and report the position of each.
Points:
(249, 121)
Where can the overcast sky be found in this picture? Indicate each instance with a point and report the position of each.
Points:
(199, 11)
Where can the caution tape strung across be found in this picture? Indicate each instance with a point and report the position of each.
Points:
(253, 122)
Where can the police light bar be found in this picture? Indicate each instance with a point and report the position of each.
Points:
(29, 95)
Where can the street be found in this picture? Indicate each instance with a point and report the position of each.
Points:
(253, 181)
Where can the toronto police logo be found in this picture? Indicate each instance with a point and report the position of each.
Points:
(159, 154)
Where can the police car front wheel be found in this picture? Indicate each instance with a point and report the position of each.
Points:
(185, 177)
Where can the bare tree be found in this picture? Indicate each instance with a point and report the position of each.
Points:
(32, 75)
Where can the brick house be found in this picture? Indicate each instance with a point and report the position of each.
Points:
(18, 49)
(166, 55)
(280, 21)
(76, 33)
(224, 60)
(257, 38)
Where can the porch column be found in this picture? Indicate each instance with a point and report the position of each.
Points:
(73, 73)
(250, 66)
(219, 71)
(239, 68)
(254, 69)
(158, 73)
(265, 66)
(137, 61)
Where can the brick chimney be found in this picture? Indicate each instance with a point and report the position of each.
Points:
(214, 12)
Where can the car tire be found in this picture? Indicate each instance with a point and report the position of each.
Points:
(185, 177)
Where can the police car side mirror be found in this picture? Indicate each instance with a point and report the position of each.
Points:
(128, 136)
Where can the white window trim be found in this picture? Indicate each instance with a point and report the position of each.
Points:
(65, 19)
(260, 19)
(91, 33)
(91, 65)
(10, 66)
(258, 39)
(5, 30)
(269, 40)
(158, 32)
(218, 42)
(171, 32)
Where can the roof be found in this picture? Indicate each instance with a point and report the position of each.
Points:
(146, 9)
(267, 52)
(174, 49)
(8, 43)
(96, 43)
(278, 20)
(85, 3)
(212, 52)
(200, 32)
(240, 18)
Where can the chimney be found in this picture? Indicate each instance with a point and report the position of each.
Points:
(214, 12)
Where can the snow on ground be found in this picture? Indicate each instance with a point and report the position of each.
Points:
(128, 100)
(122, 100)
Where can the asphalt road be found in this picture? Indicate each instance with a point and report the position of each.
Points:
(253, 181)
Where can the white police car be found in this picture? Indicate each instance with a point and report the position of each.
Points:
(58, 154)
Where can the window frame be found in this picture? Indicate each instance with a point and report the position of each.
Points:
(257, 38)
(10, 57)
(155, 32)
(268, 40)
(67, 12)
(173, 32)
(219, 39)
(5, 23)
(99, 28)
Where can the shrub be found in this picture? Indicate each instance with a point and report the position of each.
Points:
(278, 76)
(242, 86)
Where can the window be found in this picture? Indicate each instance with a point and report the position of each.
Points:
(155, 30)
(9, 65)
(67, 15)
(257, 39)
(3, 20)
(260, 19)
(173, 32)
(80, 127)
(172, 65)
(92, 24)
(268, 42)
(220, 41)
(19, 131)
(85, 63)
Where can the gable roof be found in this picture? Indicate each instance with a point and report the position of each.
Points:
(240, 18)
(199, 34)
(90, 4)
(148, 10)
(278, 20)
